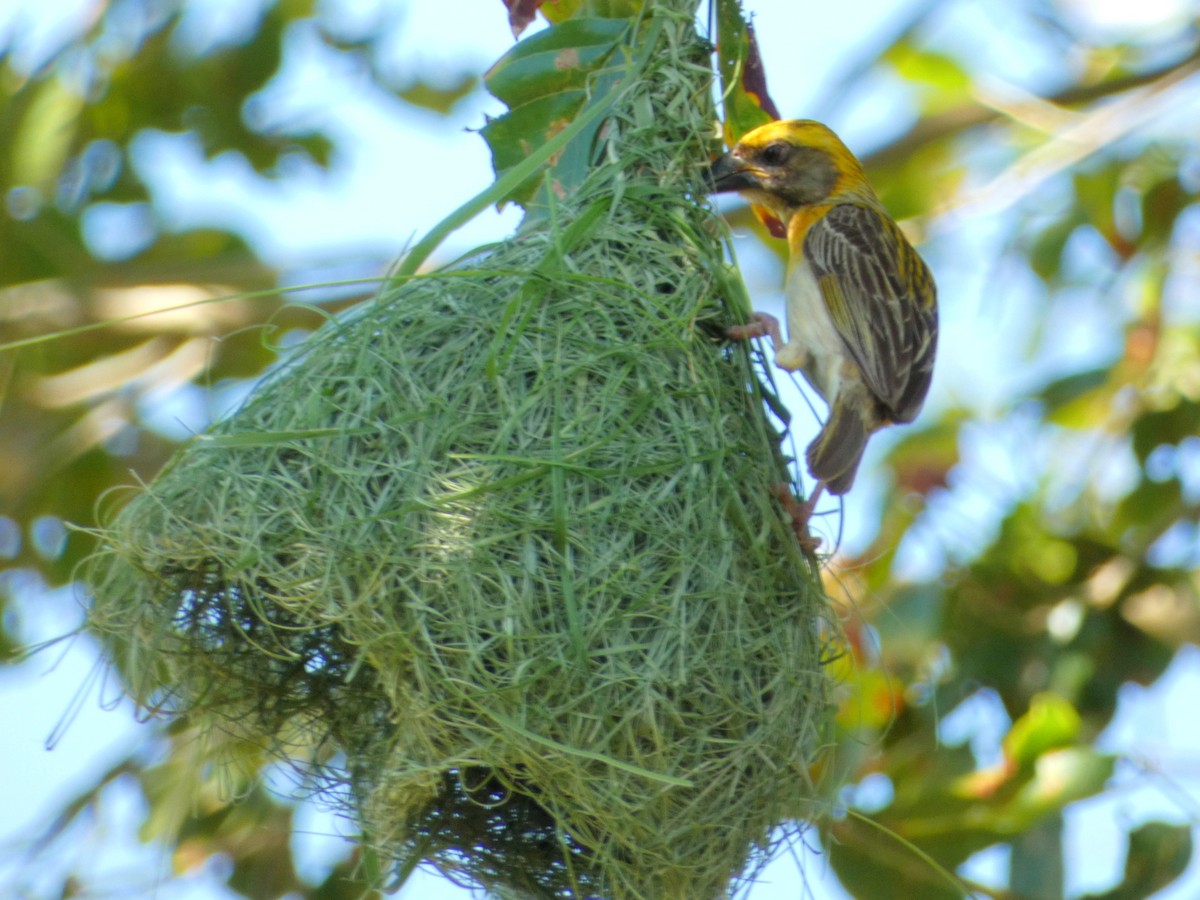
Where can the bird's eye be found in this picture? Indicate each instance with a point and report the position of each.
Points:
(774, 154)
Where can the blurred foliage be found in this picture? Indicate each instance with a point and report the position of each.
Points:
(1047, 585)
(71, 168)
(189, 809)
(1087, 580)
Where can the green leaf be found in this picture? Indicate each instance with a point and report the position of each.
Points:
(44, 138)
(910, 187)
(542, 118)
(1045, 255)
(945, 80)
(546, 81)
(1049, 724)
(874, 861)
(1157, 427)
(1150, 510)
(1060, 778)
(921, 460)
(507, 185)
(1158, 854)
(743, 82)
(555, 60)
(439, 98)
(1161, 206)
(1078, 400)
(561, 10)
(1095, 192)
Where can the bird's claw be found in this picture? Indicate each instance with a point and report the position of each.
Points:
(800, 514)
(763, 325)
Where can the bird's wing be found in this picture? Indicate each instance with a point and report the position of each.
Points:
(882, 300)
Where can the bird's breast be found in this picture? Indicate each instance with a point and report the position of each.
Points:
(813, 343)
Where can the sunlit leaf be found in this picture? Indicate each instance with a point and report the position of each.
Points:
(558, 11)
(867, 698)
(1060, 778)
(945, 81)
(43, 141)
(1078, 400)
(1050, 723)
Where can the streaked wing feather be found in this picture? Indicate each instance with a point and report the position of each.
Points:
(872, 289)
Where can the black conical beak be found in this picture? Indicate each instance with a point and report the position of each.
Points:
(727, 174)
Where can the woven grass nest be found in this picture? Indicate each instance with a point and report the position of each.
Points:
(502, 540)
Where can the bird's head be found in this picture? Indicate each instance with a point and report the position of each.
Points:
(784, 166)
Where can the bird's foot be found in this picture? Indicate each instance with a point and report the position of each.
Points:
(800, 513)
(764, 325)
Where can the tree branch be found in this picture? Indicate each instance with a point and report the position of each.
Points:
(934, 128)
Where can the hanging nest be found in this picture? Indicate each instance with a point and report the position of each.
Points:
(503, 539)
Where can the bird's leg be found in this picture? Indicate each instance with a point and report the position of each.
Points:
(800, 512)
(764, 325)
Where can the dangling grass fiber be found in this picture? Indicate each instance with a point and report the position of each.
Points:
(504, 540)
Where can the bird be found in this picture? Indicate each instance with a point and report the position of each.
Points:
(861, 303)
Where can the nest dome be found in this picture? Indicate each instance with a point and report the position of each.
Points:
(502, 541)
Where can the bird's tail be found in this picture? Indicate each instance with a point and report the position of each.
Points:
(834, 456)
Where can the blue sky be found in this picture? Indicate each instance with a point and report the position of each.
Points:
(363, 201)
